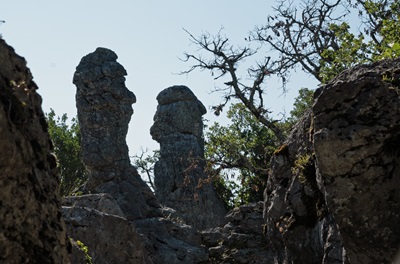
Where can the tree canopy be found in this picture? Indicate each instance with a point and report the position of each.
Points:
(322, 38)
(313, 35)
(66, 140)
(319, 37)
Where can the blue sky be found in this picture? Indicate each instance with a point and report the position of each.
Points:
(148, 38)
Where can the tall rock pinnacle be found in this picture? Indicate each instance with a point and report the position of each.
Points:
(104, 110)
(180, 180)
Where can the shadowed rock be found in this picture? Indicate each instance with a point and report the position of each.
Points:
(104, 110)
(31, 227)
(180, 180)
(298, 226)
(332, 195)
(120, 220)
(357, 148)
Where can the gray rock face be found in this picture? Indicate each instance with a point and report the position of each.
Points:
(168, 241)
(109, 238)
(332, 195)
(241, 240)
(119, 220)
(98, 222)
(357, 148)
(298, 226)
(180, 180)
(31, 227)
(104, 110)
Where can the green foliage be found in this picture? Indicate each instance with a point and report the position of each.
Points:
(145, 165)
(301, 166)
(380, 39)
(352, 51)
(302, 103)
(83, 248)
(239, 154)
(66, 140)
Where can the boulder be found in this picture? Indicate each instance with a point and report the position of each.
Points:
(357, 150)
(241, 240)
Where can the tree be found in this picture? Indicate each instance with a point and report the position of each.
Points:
(145, 165)
(301, 104)
(66, 140)
(224, 60)
(238, 154)
(312, 34)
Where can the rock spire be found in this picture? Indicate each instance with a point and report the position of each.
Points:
(180, 180)
(104, 110)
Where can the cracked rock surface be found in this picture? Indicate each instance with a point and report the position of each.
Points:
(104, 107)
(180, 180)
(357, 148)
(31, 227)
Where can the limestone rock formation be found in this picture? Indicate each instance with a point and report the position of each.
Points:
(119, 219)
(31, 227)
(104, 110)
(109, 238)
(298, 226)
(241, 240)
(357, 149)
(180, 180)
(332, 195)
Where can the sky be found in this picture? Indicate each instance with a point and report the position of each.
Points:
(150, 41)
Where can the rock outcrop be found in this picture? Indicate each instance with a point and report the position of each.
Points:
(119, 219)
(241, 240)
(104, 110)
(179, 176)
(31, 227)
(332, 195)
(298, 225)
(110, 238)
(357, 150)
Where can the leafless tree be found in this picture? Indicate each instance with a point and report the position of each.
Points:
(300, 34)
(294, 36)
(224, 61)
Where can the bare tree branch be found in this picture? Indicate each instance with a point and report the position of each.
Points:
(224, 61)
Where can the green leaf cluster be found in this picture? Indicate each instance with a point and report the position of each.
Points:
(379, 40)
(66, 141)
(302, 103)
(239, 153)
(83, 248)
(352, 51)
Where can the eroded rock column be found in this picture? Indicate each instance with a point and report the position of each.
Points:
(104, 110)
(180, 180)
